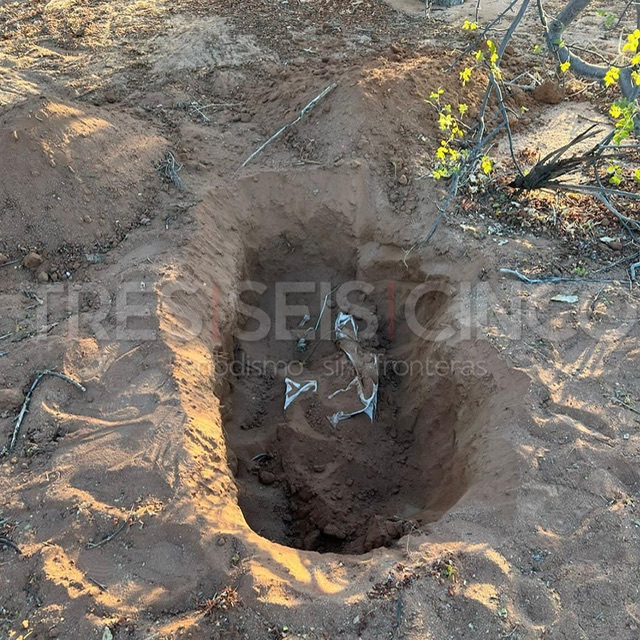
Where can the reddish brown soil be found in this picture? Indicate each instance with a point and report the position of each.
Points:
(494, 495)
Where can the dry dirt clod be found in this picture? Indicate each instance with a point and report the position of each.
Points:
(266, 477)
(43, 277)
(10, 398)
(549, 92)
(32, 260)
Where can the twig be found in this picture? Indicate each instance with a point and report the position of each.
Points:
(481, 35)
(505, 118)
(549, 279)
(27, 400)
(8, 264)
(526, 87)
(199, 109)
(5, 336)
(10, 543)
(625, 405)
(98, 584)
(398, 617)
(617, 262)
(169, 169)
(94, 545)
(301, 115)
(594, 302)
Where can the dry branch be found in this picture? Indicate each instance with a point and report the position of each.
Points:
(169, 168)
(27, 400)
(303, 112)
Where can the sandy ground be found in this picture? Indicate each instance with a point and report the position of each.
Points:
(495, 493)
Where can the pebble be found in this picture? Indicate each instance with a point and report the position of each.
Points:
(3, 258)
(549, 92)
(10, 398)
(43, 277)
(32, 260)
(266, 477)
(403, 180)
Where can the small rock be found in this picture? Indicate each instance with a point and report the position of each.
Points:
(86, 219)
(10, 398)
(319, 468)
(222, 541)
(549, 92)
(266, 477)
(32, 260)
(403, 180)
(43, 277)
(613, 243)
(53, 632)
(3, 258)
(145, 221)
(245, 116)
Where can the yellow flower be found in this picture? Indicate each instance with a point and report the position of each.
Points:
(486, 164)
(445, 121)
(493, 50)
(465, 75)
(469, 26)
(633, 39)
(463, 108)
(564, 66)
(615, 111)
(612, 76)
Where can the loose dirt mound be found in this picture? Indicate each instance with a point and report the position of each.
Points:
(73, 177)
